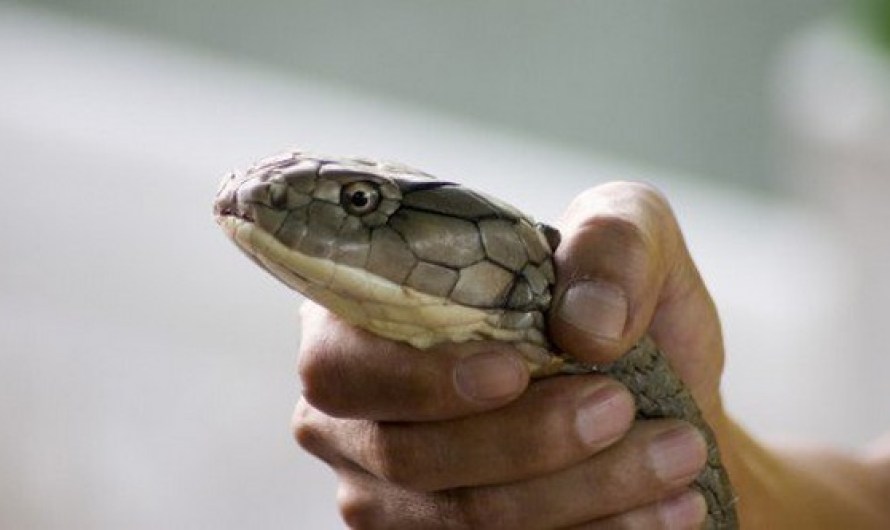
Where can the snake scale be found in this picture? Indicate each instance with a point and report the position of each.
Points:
(412, 258)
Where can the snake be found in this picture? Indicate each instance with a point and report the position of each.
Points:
(395, 251)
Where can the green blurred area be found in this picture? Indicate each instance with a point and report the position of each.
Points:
(683, 85)
(875, 18)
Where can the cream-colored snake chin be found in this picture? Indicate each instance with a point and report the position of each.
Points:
(411, 258)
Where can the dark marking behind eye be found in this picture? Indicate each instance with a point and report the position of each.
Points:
(409, 186)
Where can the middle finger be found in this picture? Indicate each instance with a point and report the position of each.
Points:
(556, 423)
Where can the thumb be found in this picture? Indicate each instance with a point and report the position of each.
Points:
(623, 270)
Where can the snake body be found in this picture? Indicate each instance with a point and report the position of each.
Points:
(412, 258)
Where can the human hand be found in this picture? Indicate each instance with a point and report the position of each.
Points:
(458, 437)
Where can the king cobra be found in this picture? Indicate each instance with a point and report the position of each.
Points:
(394, 251)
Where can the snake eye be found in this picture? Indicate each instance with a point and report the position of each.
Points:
(359, 198)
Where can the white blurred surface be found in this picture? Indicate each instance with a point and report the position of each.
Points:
(833, 94)
(146, 369)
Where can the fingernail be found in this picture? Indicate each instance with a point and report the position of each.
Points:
(603, 415)
(678, 455)
(684, 511)
(597, 307)
(489, 376)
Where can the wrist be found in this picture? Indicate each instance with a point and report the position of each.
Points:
(787, 487)
(755, 473)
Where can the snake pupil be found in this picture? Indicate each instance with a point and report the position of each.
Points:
(359, 198)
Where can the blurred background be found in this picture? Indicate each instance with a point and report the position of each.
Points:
(147, 371)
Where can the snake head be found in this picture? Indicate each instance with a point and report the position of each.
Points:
(355, 234)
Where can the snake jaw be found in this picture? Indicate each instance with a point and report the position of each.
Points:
(376, 304)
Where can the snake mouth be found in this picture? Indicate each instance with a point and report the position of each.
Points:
(235, 213)
(227, 204)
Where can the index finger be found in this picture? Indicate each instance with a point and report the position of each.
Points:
(349, 373)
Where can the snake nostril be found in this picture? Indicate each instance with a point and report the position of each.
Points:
(236, 213)
(228, 205)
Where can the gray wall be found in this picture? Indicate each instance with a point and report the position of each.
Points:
(682, 85)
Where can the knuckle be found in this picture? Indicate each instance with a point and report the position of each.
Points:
(310, 371)
(305, 430)
(320, 377)
(358, 510)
